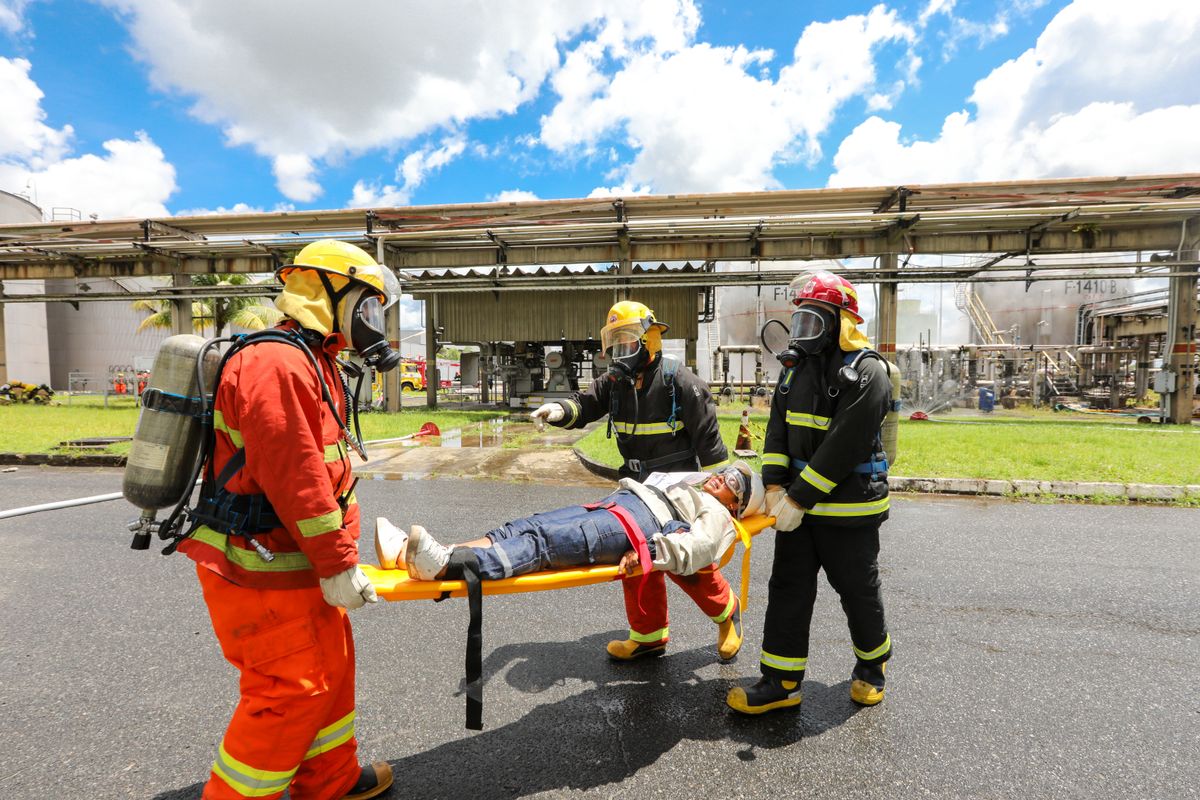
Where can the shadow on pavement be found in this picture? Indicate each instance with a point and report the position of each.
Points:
(632, 715)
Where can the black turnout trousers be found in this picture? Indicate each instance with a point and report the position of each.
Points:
(850, 558)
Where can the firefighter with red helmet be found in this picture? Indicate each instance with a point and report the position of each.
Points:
(826, 476)
(276, 535)
(664, 420)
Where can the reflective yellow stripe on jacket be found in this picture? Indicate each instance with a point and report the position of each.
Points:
(234, 435)
(869, 509)
(249, 781)
(248, 559)
(775, 460)
(318, 525)
(808, 420)
(647, 428)
(817, 480)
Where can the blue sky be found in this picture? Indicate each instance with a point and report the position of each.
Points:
(143, 107)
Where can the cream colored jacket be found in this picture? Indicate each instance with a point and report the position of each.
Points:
(711, 532)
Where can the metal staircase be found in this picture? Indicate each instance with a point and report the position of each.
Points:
(970, 303)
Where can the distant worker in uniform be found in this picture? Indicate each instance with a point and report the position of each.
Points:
(826, 483)
(664, 420)
(281, 480)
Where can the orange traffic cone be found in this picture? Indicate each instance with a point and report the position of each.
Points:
(743, 438)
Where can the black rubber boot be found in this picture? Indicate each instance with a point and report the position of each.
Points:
(769, 694)
(866, 683)
(373, 781)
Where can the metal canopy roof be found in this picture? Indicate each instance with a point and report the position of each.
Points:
(1006, 220)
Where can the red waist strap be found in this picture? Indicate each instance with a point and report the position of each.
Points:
(637, 540)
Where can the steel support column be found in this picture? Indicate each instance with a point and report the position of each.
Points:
(392, 393)
(432, 380)
(1181, 335)
(887, 313)
(181, 308)
(3, 345)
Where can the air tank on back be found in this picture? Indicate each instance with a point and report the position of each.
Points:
(162, 460)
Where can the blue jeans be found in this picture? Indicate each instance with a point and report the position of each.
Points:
(568, 537)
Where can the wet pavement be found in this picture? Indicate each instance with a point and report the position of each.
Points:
(1042, 651)
(507, 449)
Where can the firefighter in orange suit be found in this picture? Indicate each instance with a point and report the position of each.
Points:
(665, 420)
(279, 486)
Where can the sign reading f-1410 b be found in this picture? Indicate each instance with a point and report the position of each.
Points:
(1090, 286)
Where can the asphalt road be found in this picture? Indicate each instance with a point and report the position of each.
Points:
(1041, 651)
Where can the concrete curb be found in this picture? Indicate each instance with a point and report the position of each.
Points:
(62, 460)
(1065, 489)
(595, 467)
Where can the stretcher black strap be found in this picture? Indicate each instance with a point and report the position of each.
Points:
(468, 562)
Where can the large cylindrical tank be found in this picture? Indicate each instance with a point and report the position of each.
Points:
(166, 442)
(1047, 313)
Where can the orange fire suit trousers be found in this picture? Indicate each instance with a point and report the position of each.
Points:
(293, 727)
(648, 624)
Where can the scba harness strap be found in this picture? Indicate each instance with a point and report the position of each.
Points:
(217, 507)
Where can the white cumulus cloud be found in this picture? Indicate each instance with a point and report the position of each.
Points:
(12, 15)
(132, 178)
(1110, 88)
(706, 118)
(513, 196)
(321, 80)
(411, 173)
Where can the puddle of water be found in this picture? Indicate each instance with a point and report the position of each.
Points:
(487, 433)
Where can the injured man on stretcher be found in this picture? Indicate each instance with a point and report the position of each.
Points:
(676, 522)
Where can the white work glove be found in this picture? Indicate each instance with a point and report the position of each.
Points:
(349, 589)
(548, 412)
(772, 496)
(787, 514)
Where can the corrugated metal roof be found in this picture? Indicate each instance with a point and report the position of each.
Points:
(542, 271)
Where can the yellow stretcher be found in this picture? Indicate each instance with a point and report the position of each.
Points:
(395, 585)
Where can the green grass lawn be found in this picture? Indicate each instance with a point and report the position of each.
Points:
(1013, 449)
(1000, 448)
(40, 429)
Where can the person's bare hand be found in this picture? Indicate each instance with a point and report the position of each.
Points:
(629, 562)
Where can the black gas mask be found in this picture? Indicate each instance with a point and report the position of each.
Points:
(361, 322)
(813, 330)
(627, 355)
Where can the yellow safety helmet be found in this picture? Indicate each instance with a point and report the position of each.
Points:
(322, 273)
(629, 323)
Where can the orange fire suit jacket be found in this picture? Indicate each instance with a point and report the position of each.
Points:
(270, 402)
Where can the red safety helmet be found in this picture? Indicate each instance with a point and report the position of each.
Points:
(825, 287)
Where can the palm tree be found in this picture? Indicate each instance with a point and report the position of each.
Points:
(216, 312)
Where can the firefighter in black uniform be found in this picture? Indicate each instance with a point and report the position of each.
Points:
(826, 477)
(665, 420)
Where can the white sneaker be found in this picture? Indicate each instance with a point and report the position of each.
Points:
(425, 556)
(390, 544)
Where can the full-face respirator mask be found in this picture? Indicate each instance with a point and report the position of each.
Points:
(361, 321)
(627, 355)
(813, 330)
